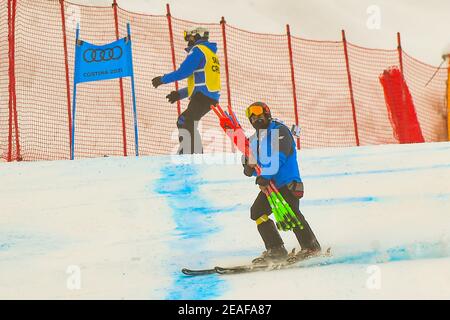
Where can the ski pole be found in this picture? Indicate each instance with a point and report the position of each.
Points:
(216, 111)
(283, 215)
(289, 209)
(275, 212)
(279, 201)
(279, 217)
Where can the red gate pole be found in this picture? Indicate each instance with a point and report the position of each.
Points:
(122, 101)
(16, 122)
(448, 96)
(172, 49)
(12, 103)
(294, 90)
(66, 60)
(400, 59)
(344, 40)
(400, 52)
(10, 81)
(225, 52)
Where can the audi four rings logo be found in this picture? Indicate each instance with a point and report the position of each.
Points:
(99, 55)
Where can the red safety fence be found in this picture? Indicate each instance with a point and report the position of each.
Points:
(4, 76)
(330, 88)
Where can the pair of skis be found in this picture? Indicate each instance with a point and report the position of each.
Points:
(291, 261)
(285, 218)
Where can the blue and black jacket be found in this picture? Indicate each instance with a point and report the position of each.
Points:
(276, 154)
(194, 60)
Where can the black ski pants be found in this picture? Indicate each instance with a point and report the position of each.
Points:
(269, 232)
(189, 137)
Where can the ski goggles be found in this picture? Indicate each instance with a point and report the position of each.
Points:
(188, 34)
(254, 111)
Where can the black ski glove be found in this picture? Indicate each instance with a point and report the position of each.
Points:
(173, 96)
(248, 171)
(157, 81)
(263, 182)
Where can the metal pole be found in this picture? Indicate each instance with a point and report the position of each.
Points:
(172, 49)
(10, 102)
(66, 60)
(136, 137)
(349, 77)
(225, 52)
(294, 90)
(448, 96)
(122, 100)
(400, 52)
(74, 102)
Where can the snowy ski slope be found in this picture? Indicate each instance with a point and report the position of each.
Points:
(129, 225)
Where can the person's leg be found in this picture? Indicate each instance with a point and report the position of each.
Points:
(260, 212)
(185, 126)
(197, 108)
(305, 236)
(203, 106)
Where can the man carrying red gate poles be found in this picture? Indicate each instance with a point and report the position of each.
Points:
(271, 155)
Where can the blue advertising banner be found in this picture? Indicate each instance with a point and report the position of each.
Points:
(110, 61)
(95, 63)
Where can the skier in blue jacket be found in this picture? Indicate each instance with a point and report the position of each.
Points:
(274, 149)
(202, 70)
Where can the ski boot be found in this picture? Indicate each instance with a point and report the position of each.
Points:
(305, 254)
(271, 255)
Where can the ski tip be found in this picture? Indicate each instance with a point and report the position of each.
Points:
(201, 272)
(185, 271)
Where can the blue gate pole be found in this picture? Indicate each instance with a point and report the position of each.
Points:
(136, 136)
(74, 101)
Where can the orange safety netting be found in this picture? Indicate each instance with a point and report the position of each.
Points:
(259, 69)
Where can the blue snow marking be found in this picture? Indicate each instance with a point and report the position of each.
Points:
(337, 201)
(5, 246)
(363, 152)
(368, 199)
(374, 172)
(19, 243)
(194, 220)
(196, 288)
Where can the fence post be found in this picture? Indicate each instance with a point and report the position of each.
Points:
(12, 102)
(10, 82)
(172, 49)
(448, 96)
(349, 77)
(400, 52)
(16, 122)
(225, 53)
(66, 60)
(294, 90)
(122, 101)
